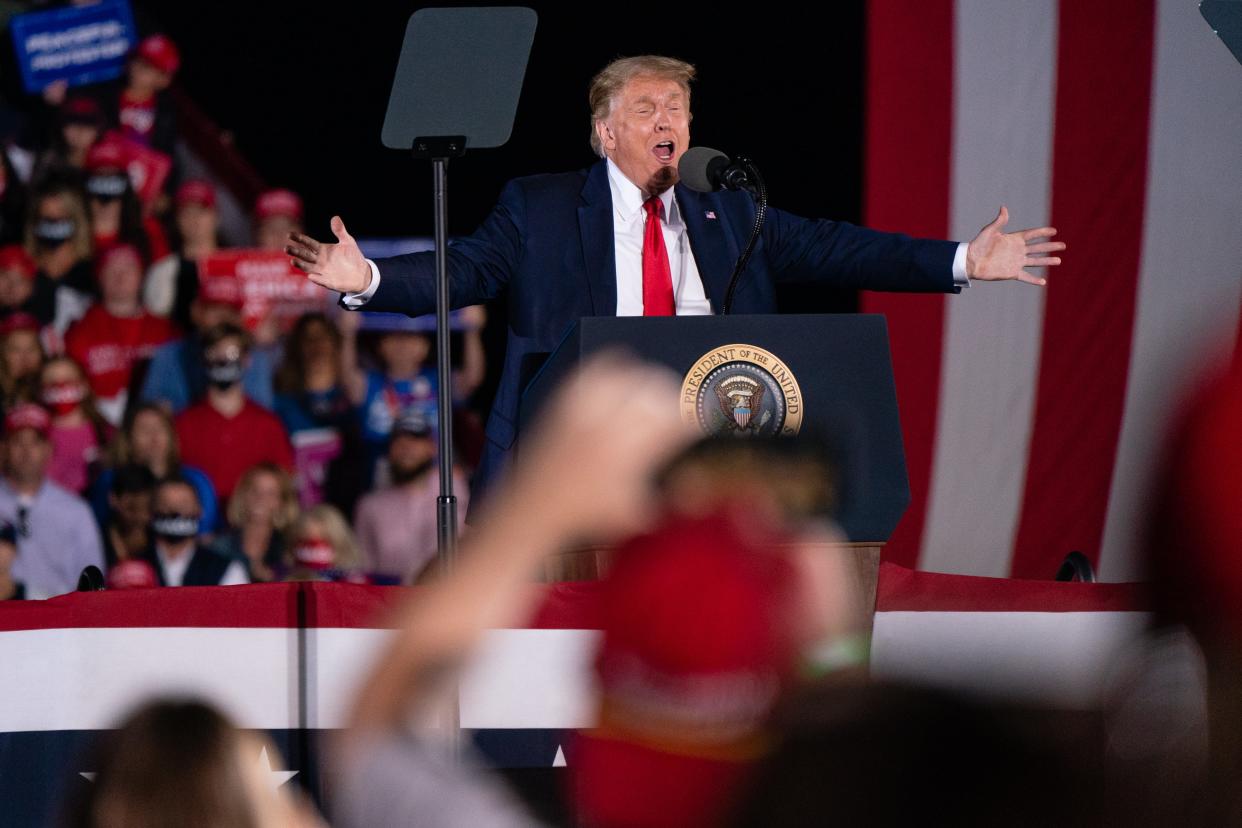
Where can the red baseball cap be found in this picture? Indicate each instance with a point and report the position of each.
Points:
(107, 154)
(278, 203)
(14, 256)
(132, 574)
(28, 415)
(698, 643)
(196, 191)
(221, 290)
(20, 321)
(82, 110)
(159, 51)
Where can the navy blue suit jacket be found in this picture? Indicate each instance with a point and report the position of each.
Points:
(549, 244)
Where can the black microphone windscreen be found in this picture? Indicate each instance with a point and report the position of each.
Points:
(699, 167)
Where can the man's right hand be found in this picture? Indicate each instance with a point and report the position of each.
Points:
(340, 267)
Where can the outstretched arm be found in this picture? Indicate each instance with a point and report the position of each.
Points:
(995, 255)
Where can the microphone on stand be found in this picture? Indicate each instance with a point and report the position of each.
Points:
(708, 170)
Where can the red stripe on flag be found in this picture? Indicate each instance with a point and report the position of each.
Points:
(1099, 183)
(905, 590)
(909, 144)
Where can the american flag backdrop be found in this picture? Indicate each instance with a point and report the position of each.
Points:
(1031, 416)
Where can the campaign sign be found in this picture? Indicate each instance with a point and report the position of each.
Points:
(148, 169)
(270, 286)
(78, 44)
(378, 322)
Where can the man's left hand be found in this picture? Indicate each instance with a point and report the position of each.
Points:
(995, 255)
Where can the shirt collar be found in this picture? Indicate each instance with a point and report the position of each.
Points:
(627, 197)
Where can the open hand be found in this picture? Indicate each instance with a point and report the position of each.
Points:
(995, 255)
(340, 267)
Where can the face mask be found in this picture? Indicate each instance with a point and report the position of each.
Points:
(173, 527)
(107, 187)
(54, 232)
(224, 373)
(63, 397)
(314, 554)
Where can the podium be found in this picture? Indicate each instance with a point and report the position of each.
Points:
(828, 374)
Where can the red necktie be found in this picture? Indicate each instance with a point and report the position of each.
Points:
(657, 275)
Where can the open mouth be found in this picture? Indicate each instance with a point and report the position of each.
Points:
(663, 151)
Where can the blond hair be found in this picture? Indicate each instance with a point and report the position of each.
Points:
(610, 80)
(336, 532)
(238, 510)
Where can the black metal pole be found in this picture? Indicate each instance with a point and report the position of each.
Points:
(446, 503)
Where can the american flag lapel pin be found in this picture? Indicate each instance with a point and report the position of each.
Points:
(711, 214)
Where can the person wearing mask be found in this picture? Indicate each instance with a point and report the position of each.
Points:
(58, 236)
(57, 536)
(175, 552)
(148, 437)
(172, 282)
(116, 212)
(263, 507)
(79, 432)
(324, 549)
(227, 433)
(177, 375)
(126, 537)
(397, 525)
(118, 333)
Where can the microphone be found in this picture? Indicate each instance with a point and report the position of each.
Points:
(707, 170)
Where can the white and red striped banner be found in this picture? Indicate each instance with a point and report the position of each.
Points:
(1031, 416)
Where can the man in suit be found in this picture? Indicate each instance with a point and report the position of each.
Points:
(623, 237)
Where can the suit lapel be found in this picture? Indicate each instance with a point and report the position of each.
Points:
(598, 248)
(714, 249)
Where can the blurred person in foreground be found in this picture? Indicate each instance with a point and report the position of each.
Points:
(1194, 550)
(397, 525)
(175, 553)
(56, 533)
(227, 432)
(579, 478)
(180, 763)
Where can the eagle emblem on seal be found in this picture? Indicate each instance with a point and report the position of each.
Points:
(740, 396)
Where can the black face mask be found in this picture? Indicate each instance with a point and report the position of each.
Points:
(107, 187)
(402, 475)
(173, 528)
(52, 233)
(224, 373)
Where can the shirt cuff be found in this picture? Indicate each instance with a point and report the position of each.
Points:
(959, 266)
(353, 301)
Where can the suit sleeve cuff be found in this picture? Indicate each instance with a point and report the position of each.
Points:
(353, 301)
(959, 266)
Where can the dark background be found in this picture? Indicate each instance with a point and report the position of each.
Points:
(303, 89)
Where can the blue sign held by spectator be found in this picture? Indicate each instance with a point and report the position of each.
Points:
(77, 44)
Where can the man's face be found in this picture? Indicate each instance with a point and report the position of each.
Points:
(410, 454)
(647, 131)
(26, 456)
(176, 499)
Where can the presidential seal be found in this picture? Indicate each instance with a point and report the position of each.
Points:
(742, 391)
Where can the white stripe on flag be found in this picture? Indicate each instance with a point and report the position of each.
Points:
(1060, 658)
(1004, 83)
(1190, 281)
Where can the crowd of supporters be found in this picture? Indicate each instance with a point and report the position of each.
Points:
(150, 427)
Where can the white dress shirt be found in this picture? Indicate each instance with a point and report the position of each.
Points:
(628, 224)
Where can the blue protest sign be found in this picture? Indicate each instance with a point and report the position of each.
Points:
(78, 44)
